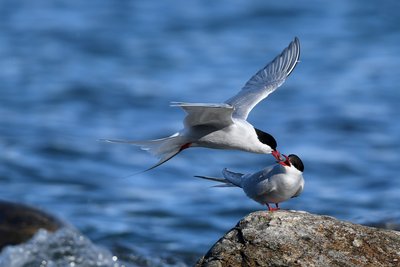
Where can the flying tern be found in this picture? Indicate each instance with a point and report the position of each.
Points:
(225, 125)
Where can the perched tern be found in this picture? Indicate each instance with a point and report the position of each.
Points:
(274, 184)
(225, 125)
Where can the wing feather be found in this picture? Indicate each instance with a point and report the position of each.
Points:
(212, 114)
(266, 80)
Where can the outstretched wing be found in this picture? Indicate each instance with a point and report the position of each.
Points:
(216, 115)
(266, 80)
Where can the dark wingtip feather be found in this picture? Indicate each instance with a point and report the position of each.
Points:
(295, 47)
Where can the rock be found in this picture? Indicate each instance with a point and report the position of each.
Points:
(290, 238)
(18, 223)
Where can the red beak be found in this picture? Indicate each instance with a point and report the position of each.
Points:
(277, 155)
(286, 162)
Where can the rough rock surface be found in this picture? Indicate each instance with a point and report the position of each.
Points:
(18, 223)
(289, 238)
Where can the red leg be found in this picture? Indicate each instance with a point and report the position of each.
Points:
(272, 209)
(269, 208)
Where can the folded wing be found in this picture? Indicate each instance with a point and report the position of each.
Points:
(266, 80)
(233, 177)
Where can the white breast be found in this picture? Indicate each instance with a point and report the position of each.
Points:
(240, 135)
(273, 185)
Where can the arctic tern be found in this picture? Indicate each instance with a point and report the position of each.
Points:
(274, 184)
(225, 125)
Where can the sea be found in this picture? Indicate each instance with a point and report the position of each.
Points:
(75, 72)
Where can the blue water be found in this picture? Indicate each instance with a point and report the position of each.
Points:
(73, 72)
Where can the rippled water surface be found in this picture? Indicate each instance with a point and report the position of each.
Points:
(73, 72)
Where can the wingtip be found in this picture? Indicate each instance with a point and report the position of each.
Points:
(296, 43)
(294, 46)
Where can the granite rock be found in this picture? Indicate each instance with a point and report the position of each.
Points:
(293, 238)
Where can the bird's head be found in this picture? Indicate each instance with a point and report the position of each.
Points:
(268, 140)
(292, 160)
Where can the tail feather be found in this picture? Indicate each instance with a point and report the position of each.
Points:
(164, 148)
(163, 160)
(216, 179)
(225, 182)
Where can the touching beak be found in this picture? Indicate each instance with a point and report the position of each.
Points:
(277, 155)
(286, 162)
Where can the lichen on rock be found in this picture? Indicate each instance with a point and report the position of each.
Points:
(292, 238)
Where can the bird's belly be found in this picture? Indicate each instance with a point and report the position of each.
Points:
(274, 197)
(222, 140)
(281, 193)
(231, 137)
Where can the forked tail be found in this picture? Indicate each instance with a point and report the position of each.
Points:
(231, 179)
(164, 148)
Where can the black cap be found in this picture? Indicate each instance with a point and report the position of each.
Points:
(296, 162)
(266, 138)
